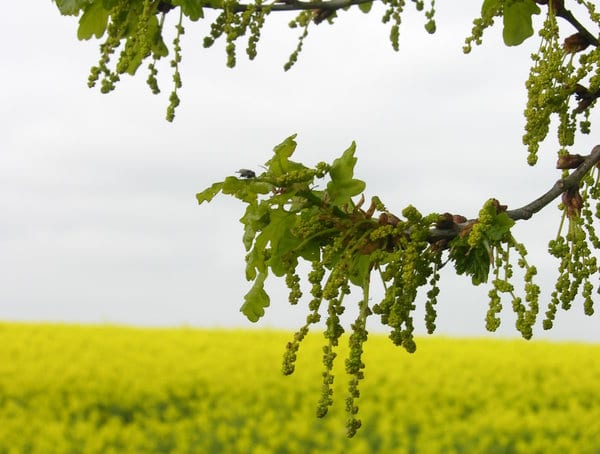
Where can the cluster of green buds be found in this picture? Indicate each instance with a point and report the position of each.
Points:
(574, 242)
(393, 14)
(483, 245)
(135, 27)
(297, 213)
(235, 22)
(289, 219)
(564, 79)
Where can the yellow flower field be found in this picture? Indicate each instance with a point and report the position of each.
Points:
(106, 389)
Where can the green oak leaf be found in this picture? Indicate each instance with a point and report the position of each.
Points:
(517, 21)
(491, 8)
(276, 228)
(159, 48)
(311, 251)
(280, 164)
(280, 262)
(255, 219)
(71, 7)
(500, 228)
(108, 4)
(134, 63)
(471, 260)
(343, 186)
(256, 262)
(153, 34)
(209, 193)
(191, 8)
(256, 299)
(474, 262)
(246, 190)
(281, 241)
(360, 269)
(365, 7)
(93, 21)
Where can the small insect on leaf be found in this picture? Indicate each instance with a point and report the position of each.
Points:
(246, 173)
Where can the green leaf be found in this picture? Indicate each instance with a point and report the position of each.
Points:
(256, 299)
(93, 21)
(280, 238)
(277, 226)
(71, 7)
(135, 63)
(365, 7)
(255, 261)
(474, 262)
(255, 219)
(342, 185)
(109, 4)
(517, 21)
(280, 164)
(139, 53)
(311, 251)
(244, 189)
(501, 226)
(159, 48)
(491, 8)
(360, 270)
(209, 193)
(191, 8)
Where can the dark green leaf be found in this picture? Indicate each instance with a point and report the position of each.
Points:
(311, 251)
(93, 21)
(256, 299)
(517, 21)
(472, 261)
(365, 7)
(109, 4)
(500, 228)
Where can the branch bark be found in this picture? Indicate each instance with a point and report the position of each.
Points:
(568, 16)
(295, 5)
(528, 210)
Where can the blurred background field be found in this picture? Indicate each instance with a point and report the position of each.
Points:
(80, 389)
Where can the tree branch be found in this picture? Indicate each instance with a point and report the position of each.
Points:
(278, 5)
(527, 211)
(295, 5)
(568, 16)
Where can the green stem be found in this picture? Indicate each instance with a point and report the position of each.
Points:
(562, 222)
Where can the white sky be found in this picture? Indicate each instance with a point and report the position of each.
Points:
(99, 219)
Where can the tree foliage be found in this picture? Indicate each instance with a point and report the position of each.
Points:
(297, 213)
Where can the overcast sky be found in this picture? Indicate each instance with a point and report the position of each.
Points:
(99, 219)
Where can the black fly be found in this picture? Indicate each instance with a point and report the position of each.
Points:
(246, 173)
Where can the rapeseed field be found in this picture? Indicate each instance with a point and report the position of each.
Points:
(109, 389)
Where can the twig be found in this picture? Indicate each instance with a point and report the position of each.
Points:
(527, 211)
(568, 16)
